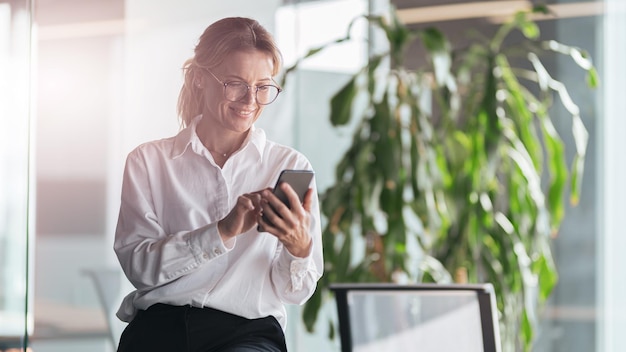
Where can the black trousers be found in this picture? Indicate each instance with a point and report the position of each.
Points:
(188, 329)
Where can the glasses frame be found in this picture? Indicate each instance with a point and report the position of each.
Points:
(256, 91)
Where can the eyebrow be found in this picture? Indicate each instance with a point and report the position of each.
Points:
(237, 78)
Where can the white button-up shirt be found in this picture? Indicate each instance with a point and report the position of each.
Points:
(167, 240)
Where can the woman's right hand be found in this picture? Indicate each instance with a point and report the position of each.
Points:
(242, 217)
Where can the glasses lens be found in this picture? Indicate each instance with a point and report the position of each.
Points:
(266, 94)
(235, 91)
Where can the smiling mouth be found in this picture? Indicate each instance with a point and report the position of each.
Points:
(244, 113)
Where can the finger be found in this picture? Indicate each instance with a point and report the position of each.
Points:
(292, 197)
(282, 210)
(247, 201)
(270, 222)
(255, 198)
(247, 209)
(307, 203)
(238, 219)
(269, 198)
(271, 214)
(263, 225)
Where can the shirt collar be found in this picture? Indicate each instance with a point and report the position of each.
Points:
(188, 136)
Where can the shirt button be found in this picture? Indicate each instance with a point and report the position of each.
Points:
(205, 255)
(217, 251)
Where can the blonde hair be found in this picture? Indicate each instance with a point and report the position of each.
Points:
(218, 41)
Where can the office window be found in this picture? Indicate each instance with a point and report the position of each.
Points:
(15, 189)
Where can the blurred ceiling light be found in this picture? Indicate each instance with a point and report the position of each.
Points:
(461, 11)
(494, 11)
(565, 10)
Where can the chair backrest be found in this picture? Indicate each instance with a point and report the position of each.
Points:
(108, 282)
(423, 317)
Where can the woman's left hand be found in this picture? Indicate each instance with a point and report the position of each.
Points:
(289, 223)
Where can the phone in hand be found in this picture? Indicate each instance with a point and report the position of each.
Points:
(299, 180)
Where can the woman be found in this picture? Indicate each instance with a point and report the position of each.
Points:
(206, 279)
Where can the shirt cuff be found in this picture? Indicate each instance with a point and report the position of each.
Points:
(206, 243)
(298, 268)
(298, 271)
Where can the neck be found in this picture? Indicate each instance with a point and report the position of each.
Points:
(215, 152)
(221, 144)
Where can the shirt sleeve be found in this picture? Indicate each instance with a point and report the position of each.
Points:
(148, 255)
(294, 278)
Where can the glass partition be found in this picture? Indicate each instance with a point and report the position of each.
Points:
(15, 67)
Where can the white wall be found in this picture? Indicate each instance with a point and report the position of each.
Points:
(612, 281)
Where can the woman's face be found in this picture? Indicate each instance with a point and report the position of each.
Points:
(251, 67)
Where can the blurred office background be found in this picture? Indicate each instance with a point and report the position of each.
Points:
(82, 82)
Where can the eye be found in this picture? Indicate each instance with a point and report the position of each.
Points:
(237, 84)
(265, 88)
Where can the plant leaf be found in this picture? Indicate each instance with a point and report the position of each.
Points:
(439, 52)
(341, 103)
(311, 309)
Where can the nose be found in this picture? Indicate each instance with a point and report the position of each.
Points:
(250, 95)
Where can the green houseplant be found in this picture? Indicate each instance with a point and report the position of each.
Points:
(455, 171)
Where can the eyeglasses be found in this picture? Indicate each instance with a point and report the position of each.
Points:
(237, 90)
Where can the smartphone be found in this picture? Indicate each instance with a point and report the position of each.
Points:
(299, 180)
